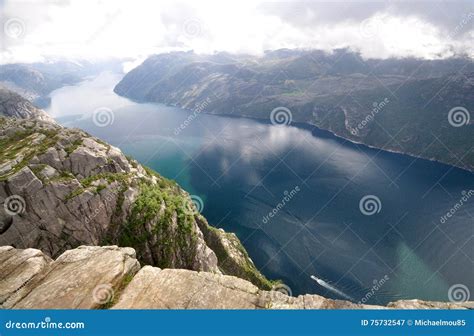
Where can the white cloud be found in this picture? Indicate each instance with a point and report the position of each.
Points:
(136, 28)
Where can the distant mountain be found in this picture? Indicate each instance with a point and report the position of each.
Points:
(15, 106)
(36, 80)
(399, 105)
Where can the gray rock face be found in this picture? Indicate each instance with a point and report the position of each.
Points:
(65, 188)
(19, 267)
(106, 277)
(61, 188)
(182, 289)
(14, 105)
(82, 278)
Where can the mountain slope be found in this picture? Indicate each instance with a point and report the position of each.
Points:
(36, 81)
(13, 105)
(400, 105)
(61, 188)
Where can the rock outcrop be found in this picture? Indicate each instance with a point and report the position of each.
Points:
(61, 188)
(82, 278)
(110, 277)
(14, 105)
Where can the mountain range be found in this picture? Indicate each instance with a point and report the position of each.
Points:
(413, 106)
(35, 81)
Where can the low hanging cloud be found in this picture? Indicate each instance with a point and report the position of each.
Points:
(35, 30)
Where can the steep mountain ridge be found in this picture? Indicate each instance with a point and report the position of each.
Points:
(412, 106)
(14, 105)
(35, 81)
(61, 188)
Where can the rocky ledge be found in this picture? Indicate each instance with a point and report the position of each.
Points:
(14, 105)
(61, 188)
(91, 277)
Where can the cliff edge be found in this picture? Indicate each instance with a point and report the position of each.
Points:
(91, 277)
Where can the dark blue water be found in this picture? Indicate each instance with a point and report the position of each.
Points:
(243, 169)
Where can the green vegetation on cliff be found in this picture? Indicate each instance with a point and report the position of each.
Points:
(77, 190)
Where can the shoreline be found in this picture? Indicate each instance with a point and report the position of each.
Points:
(315, 130)
(309, 126)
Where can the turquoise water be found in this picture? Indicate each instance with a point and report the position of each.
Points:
(242, 169)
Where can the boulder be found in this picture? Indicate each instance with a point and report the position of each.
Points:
(83, 278)
(18, 267)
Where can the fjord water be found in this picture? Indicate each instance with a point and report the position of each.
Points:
(319, 241)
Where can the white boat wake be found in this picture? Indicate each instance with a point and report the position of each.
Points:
(323, 283)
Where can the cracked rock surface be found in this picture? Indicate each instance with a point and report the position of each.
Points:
(110, 277)
(61, 188)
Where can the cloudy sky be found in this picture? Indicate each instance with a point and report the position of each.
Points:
(37, 29)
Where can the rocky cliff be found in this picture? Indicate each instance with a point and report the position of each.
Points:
(14, 105)
(90, 277)
(35, 81)
(61, 188)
